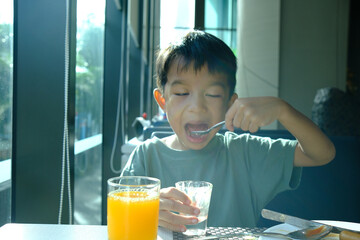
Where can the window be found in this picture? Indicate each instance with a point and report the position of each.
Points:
(174, 24)
(88, 108)
(6, 69)
(220, 20)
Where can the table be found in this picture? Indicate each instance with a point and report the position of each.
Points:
(51, 231)
(90, 232)
(60, 232)
(341, 224)
(222, 231)
(98, 232)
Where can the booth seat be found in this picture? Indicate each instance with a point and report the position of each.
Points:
(330, 192)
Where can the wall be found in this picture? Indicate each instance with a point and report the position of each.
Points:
(258, 48)
(291, 48)
(313, 49)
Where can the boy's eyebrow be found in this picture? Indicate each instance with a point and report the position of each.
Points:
(216, 83)
(177, 82)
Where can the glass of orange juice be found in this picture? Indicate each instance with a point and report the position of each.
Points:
(133, 208)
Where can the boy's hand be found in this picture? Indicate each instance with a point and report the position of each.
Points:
(250, 114)
(172, 200)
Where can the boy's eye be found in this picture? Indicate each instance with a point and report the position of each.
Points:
(181, 94)
(215, 92)
(214, 95)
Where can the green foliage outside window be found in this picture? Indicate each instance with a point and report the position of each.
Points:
(6, 40)
(89, 75)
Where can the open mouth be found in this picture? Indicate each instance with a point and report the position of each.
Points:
(190, 128)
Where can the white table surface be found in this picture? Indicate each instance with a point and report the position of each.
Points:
(15, 231)
(341, 224)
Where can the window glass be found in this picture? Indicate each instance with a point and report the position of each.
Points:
(220, 20)
(88, 108)
(6, 82)
(89, 67)
(177, 17)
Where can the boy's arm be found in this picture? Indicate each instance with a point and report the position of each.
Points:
(314, 147)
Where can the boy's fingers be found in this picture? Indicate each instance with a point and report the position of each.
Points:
(176, 219)
(236, 115)
(177, 206)
(172, 227)
(173, 193)
(253, 127)
(230, 118)
(238, 119)
(245, 123)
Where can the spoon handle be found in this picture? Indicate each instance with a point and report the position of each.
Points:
(209, 129)
(218, 124)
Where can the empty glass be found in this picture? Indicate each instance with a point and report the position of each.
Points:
(200, 195)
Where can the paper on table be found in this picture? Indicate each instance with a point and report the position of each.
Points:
(164, 234)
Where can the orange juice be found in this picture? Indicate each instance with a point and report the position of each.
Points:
(132, 215)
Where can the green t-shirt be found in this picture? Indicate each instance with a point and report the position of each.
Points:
(246, 172)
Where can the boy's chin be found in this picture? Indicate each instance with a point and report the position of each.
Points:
(197, 147)
(197, 142)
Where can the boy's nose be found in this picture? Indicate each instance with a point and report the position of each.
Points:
(197, 103)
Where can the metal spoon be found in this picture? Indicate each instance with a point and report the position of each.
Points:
(311, 233)
(208, 130)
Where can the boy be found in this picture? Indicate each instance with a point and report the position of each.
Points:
(196, 82)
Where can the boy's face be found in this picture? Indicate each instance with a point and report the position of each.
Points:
(194, 101)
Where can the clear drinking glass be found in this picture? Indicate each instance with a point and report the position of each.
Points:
(200, 195)
(133, 208)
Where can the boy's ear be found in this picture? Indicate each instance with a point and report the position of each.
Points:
(159, 98)
(232, 100)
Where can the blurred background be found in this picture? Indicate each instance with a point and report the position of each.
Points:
(76, 82)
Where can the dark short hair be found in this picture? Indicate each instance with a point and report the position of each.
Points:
(200, 48)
